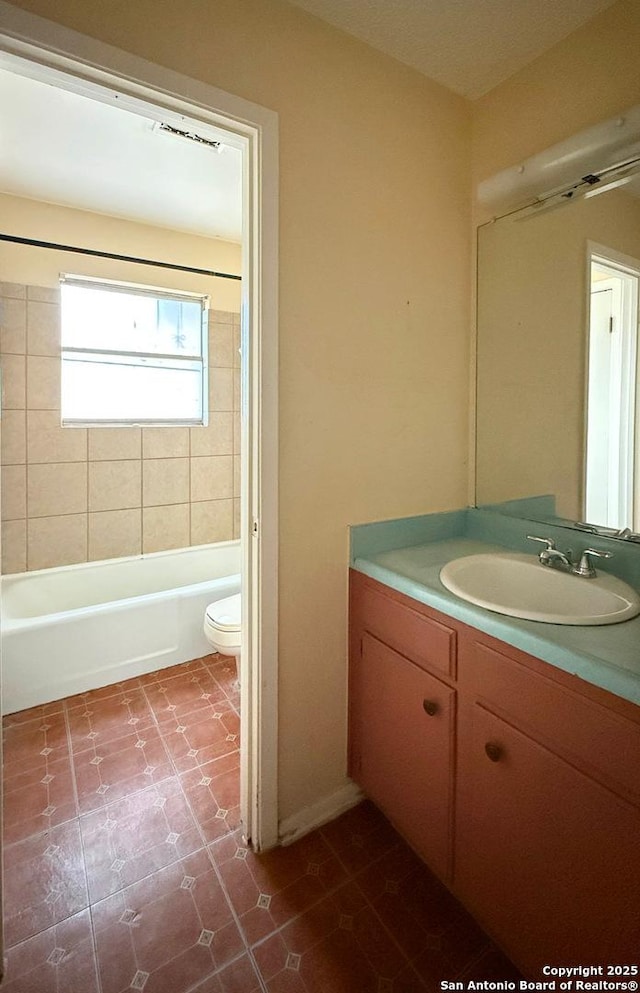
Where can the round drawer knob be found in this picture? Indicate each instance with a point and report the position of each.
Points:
(430, 707)
(493, 751)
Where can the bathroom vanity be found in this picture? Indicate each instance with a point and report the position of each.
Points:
(516, 779)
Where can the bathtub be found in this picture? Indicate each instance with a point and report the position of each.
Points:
(74, 628)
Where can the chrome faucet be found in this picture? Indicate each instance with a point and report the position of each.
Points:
(551, 555)
(585, 565)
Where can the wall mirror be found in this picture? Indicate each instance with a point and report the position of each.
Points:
(558, 390)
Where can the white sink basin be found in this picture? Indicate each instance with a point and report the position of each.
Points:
(518, 585)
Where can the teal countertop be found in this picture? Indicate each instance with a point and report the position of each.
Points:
(607, 656)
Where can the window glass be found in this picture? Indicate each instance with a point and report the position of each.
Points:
(132, 355)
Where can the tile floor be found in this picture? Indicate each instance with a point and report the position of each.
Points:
(125, 868)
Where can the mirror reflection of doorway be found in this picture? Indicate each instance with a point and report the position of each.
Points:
(612, 457)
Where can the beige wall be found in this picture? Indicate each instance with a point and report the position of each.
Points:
(76, 495)
(374, 310)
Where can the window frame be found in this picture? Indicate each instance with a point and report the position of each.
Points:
(158, 293)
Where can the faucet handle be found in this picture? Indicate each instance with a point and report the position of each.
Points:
(549, 542)
(585, 565)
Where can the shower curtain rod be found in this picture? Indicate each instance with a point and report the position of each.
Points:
(118, 258)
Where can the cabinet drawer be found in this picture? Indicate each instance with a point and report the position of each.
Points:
(588, 734)
(427, 642)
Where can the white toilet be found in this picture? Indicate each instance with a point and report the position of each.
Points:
(222, 626)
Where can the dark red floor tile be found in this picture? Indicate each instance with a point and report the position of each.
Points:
(213, 791)
(167, 932)
(195, 665)
(33, 744)
(116, 769)
(184, 694)
(95, 723)
(272, 888)
(338, 945)
(360, 836)
(37, 799)
(37, 713)
(44, 882)
(195, 739)
(92, 697)
(224, 670)
(59, 959)
(136, 836)
(237, 977)
(492, 966)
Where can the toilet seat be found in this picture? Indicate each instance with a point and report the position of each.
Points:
(222, 624)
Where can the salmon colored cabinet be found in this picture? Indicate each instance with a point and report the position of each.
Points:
(402, 717)
(402, 754)
(517, 783)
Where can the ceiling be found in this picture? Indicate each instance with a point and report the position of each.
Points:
(64, 148)
(68, 149)
(469, 46)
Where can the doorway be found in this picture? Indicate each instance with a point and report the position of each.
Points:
(612, 457)
(36, 48)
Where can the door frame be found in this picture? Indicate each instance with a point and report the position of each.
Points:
(48, 50)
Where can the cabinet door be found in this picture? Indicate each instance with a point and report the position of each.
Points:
(402, 746)
(547, 858)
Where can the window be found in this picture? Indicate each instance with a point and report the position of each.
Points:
(132, 354)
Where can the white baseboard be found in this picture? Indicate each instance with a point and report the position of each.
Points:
(319, 813)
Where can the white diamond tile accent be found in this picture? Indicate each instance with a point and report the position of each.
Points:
(205, 781)
(44, 727)
(52, 897)
(46, 751)
(206, 937)
(102, 789)
(241, 853)
(160, 801)
(205, 696)
(126, 702)
(346, 922)
(293, 962)
(96, 761)
(172, 838)
(188, 883)
(231, 737)
(56, 956)
(110, 824)
(133, 720)
(149, 771)
(87, 713)
(192, 753)
(171, 707)
(128, 917)
(181, 729)
(117, 865)
(221, 813)
(140, 743)
(52, 850)
(313, 869)
(264, 901)
(217, 716)
(48, 811)
(139, 981)
(92, 735)
(47, 779)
